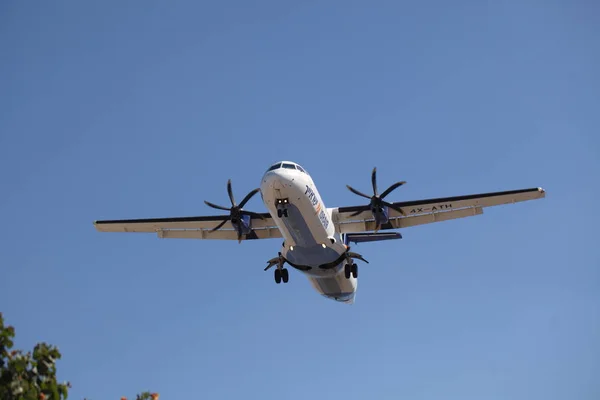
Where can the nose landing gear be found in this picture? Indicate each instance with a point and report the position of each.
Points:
(282, 210)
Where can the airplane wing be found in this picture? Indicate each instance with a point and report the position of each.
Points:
(426, 211)
(192, 227)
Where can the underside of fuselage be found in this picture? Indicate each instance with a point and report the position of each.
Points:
(310, 242)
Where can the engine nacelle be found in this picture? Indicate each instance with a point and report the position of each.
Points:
(245, 221)
(380, 214)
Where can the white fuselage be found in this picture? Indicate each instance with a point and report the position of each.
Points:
(310, 240)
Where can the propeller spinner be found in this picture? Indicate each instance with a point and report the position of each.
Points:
(236, 213)
(377, 201)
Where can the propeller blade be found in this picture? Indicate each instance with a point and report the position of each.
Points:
(208, 203)
(239, 231)
(252, 214)
(230, 192)
(248, 197)
(391, 188)
(220, 225)
(374, 181)
(393, 207)
(354, 214)
(357, 192)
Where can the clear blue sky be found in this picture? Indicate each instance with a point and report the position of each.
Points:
(145, 109)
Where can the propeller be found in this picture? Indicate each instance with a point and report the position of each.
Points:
(236, 211)
(377, 200)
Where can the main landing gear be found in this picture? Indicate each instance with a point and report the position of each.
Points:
(281, 274)
(351, 269)
(282, 210)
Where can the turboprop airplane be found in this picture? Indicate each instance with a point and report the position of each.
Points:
(316, 238)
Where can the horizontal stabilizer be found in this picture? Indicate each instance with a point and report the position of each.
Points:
(371, 237)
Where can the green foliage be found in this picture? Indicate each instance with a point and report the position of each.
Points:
(144, 396)
(32, 376)
(28, 376)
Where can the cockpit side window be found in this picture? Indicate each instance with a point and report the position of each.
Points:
(274, 166)
(300, 168)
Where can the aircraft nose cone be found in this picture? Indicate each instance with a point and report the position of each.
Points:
(272, 180)
(280, 181)
(277, 184)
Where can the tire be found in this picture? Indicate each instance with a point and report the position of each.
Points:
(285, 275)
(277, 276)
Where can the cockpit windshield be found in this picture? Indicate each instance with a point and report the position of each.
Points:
(286, 165)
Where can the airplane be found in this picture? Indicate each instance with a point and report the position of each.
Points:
(316, 239)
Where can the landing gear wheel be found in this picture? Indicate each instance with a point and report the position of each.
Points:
(354, 269)
(285, 275)
(347, 271)
(277, 276)
(285, 212)
(279, 213)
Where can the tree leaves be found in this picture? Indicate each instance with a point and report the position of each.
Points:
(147, 396)
(27, 376)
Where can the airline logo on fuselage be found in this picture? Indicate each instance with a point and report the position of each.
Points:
(312, 197)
